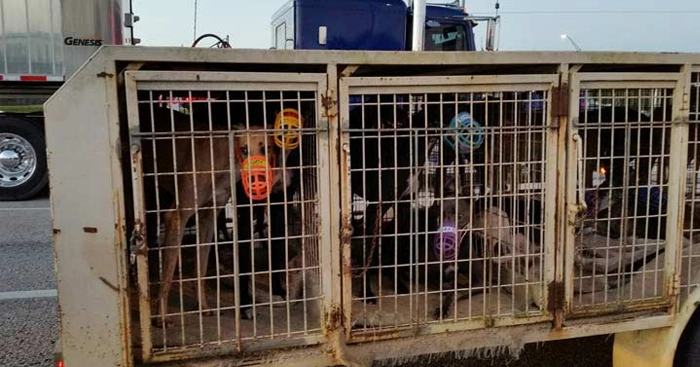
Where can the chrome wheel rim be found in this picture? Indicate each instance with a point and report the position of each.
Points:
(17, 160)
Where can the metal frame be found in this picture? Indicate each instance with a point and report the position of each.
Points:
(89, 220)
(456, 84)
(365, 58)
(221, 81)
(95, 316)
(688, 257)
(583, 81)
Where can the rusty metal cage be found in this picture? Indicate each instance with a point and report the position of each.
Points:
(625, 136)
(447, 191)
(321, 207)
(622, 135)
(236, 163)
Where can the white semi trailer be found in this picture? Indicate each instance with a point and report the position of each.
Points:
(42, 43)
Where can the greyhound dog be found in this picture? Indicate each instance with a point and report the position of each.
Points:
(203, 186)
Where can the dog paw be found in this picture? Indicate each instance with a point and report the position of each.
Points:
(209, 313)
(444, 314)
(247, 314)
(158, 323)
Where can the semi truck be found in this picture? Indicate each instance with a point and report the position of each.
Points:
(377, 25)
(43, 43)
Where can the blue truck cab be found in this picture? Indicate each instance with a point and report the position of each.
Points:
(380, 25)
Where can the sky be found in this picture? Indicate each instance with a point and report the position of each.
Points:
(595, 25)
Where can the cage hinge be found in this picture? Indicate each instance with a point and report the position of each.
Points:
(675, 285)
(556, 297)
(560, 101)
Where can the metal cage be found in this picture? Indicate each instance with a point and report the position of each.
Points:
(622, 132)
(194, 141)
(452, 177)
(328, 208)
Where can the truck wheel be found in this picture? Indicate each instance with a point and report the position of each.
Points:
(23, 169)
(688, 350)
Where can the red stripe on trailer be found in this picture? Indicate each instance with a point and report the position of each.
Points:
(32, 78)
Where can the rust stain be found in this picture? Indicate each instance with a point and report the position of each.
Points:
(346, 235)
(629, 311)
(556, 297)
(89, 229)
(328, 105)
(334, 319)
(560, 101)
(376, 335)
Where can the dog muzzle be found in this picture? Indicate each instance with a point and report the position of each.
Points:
(287, 126)
(257, 177)
(446, 243)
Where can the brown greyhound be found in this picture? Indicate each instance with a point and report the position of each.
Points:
(204, 171)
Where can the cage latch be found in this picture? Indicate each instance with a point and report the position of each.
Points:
(137, 244)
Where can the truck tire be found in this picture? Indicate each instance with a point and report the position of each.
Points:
(688, 350)
(23, 168)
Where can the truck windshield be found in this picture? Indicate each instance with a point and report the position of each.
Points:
(446, 37)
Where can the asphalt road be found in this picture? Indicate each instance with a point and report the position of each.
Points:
(29, 319)
(28, 307)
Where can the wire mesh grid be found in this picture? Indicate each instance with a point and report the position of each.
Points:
(691, 226)
(623, 182)
(447, 198)
(230, 182)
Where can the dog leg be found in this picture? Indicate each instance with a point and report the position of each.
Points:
(447, 289)
(244, 247)
(447, 302)
(372, 243)
(206, 237)
(278, 256)
(175, 222)
(222, 226)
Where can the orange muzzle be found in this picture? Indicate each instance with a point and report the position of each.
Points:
(257, 176)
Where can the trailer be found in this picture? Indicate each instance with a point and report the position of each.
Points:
(43, 42)
(506, 198)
